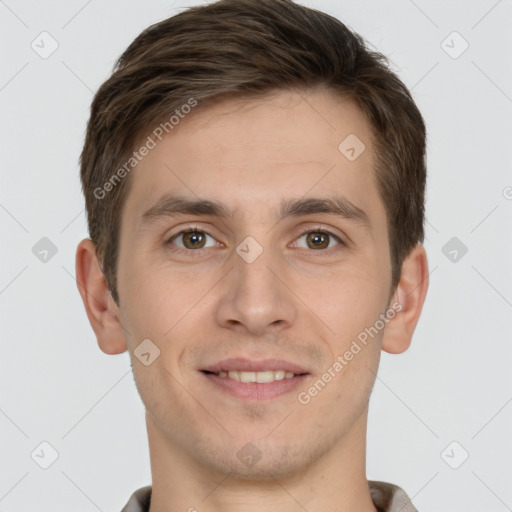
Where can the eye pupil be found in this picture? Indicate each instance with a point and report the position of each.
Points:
(322, 238)
(194, 237)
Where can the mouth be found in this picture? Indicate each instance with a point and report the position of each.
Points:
(260, 377)
(255, 380)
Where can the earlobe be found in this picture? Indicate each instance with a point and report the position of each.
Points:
(102, 312)
(410, 295)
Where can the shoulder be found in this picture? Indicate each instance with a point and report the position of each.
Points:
(389, 497)
(139, 500)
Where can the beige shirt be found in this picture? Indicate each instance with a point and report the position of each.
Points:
(386, 498)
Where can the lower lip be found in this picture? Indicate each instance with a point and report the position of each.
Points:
(255, 390)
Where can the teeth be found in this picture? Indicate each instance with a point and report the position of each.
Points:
(261, 377)
(279, 374)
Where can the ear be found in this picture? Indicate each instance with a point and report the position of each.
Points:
(409, 296)
(101, 309)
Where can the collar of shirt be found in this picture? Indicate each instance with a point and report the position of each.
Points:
(386, 497)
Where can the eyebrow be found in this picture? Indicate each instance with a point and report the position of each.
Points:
(171, 205)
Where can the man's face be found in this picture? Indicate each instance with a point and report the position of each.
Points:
(250, 291)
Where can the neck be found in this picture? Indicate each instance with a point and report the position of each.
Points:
(336, 480)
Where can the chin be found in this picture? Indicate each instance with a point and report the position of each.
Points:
(263, 461)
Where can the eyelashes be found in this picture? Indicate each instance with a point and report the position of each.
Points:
(198, 235)
(324, 233)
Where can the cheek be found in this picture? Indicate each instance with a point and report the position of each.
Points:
(357, 380)
(166, 308)
(341, 399)
(347, 301)
(157, 298)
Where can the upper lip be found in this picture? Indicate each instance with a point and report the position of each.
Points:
(252, 365)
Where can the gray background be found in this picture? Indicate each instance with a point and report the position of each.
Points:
(452, 385)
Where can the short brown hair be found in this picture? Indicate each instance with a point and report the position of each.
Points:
(234, 48)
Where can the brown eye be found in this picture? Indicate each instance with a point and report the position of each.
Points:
(191, 239)
(319, 240)
(194, 240)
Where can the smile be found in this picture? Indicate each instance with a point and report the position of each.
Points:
(261, 377)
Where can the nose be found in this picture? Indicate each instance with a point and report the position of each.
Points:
(256, 297)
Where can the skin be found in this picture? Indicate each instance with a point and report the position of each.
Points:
(295, 302)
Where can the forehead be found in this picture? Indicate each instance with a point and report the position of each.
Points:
(248, 152)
